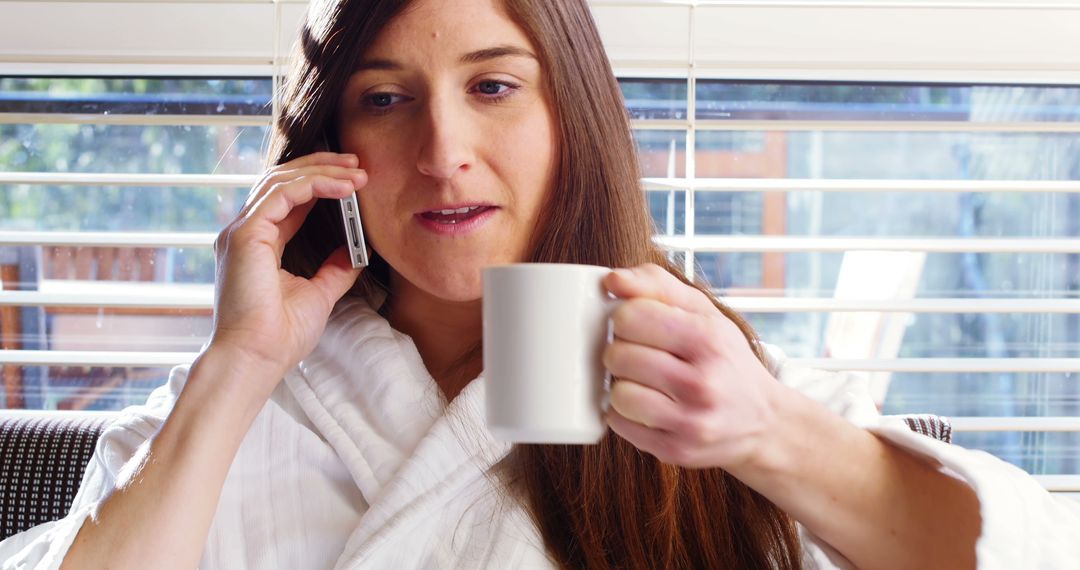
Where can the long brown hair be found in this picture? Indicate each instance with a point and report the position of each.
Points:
(603, 506)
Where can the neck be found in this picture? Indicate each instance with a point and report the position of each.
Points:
(444, 332)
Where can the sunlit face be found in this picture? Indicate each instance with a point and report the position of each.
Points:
(449, 112)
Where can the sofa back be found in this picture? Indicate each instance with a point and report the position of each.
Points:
(42, 459)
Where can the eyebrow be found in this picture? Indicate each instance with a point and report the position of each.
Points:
(496, 52)
(472, 57)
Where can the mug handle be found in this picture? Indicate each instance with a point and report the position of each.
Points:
(610, 305)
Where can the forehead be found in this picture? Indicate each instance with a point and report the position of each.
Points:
(447, 28)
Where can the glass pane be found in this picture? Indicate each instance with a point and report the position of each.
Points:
(186, 149)
(129, 272)
(724, 213)
(118, 208)
(1049, 453)
(922, 335)
(668, 209)
(136, 95)
(972, 275)
(755, 100)
(78, 387)
(907, 155)
(654, 98)
(740, 154)
(96, 388)
(888, 155)
(73, 270)
(137, 330)
(910, 214)
(662, 154)
(1005, 394)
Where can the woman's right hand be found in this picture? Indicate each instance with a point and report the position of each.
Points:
(263, 315)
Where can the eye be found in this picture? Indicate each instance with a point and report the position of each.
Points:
(491, 87)
(381, 101)
(494, 90)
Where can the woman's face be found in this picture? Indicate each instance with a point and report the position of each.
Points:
(450, 117)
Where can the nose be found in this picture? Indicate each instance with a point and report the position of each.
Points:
(445, 148)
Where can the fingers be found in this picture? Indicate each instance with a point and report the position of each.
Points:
(291, 224)
(689, 336)
(336, 275)
(642, 404)
(641, 436)
(275, 178)
(654, 441)
(282, 200)
(687, 388)
(347, 160)
(317, 159)
(677, 379)
(651, 281)
(276, 205)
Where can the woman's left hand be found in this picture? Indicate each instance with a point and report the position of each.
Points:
(687, 387)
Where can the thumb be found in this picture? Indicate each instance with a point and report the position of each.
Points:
(336, 275)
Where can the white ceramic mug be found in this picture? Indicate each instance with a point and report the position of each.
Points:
(545, 329)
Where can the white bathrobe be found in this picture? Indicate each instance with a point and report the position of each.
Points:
(357, 462)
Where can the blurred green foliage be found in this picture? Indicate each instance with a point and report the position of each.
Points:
(117, 148)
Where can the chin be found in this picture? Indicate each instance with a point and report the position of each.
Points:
(456, 284)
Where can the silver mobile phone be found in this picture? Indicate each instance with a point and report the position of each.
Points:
(354, 230)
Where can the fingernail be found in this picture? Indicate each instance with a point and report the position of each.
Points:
(624, 273)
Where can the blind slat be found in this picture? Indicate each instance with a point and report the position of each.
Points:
(855, 185)
(860, 126)
(134, 120)
(118, 358)
(676, 243)
(744, 243)
(109, 239)
(168, 296)
(124, 179)
(1059, 483)
(943, 305)
(652, 184)
(989, 423)
(163, 297)
(892, 126)
(95, 358)
(941, 364)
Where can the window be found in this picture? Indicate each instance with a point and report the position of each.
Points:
(88, 159)
(877, 186)
(937, 211)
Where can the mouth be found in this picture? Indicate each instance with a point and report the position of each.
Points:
(455, 215)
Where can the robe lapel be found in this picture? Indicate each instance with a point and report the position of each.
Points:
(453, 455)
(365, 388)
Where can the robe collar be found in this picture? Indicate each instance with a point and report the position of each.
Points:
(365, 388)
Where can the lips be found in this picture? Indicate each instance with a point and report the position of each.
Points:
(457, 220)
(454, 215)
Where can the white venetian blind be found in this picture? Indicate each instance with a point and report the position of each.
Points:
(885, 187)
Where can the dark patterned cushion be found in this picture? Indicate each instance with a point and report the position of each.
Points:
(42, 459)
(937, 427)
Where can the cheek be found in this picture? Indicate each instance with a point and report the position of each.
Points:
(378, 208)
(384, 170)
(529, 155)
(378, 201)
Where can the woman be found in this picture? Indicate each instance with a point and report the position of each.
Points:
(481, 133)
